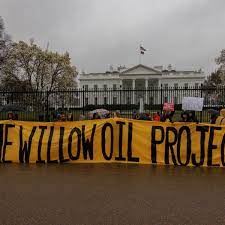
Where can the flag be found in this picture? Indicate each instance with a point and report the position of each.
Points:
(142, 50)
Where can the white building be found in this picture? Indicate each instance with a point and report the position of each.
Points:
(146, 82)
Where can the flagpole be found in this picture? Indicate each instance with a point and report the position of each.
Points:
(139, 54)
(139, 57)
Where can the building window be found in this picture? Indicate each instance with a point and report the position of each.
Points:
(86, 87)
(105, 86)
(165, 99)
(196, 85)
(105, 100)
(114, 100)
(95, 87)
(176, 86)
(186, 86)
(96, 101)
(166, 86)
(86, 101)
(114, 87)
(175, 100)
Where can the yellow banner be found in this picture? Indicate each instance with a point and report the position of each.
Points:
(114, 140)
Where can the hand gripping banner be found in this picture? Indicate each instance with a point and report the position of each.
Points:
(114, 140)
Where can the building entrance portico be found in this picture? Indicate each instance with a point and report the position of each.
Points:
(133, 84)
(139, 83)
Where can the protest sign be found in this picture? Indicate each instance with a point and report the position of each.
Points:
(168, 106)
(192, 103)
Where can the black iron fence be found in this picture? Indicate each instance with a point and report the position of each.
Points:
(45, 105)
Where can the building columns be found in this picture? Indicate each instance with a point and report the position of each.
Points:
(121, 84)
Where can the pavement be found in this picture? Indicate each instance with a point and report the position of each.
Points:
(108, 194)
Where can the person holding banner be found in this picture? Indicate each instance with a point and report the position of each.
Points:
(221, 118)
(191, 117)
(168, 112)
(184, 116)
(116, 114)
(167, 116)
(96, 116)
(214, 114)
(216, 117)
(156, 116)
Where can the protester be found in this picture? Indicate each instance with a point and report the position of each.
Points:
(16, 116)
(216, 117)
(148, 116)
(143, 116)
(134, 115)
(192, 117)
(41, 117)
(58, 116)
(63, 117)
(221, 119)
(70, 117)
(106, 116)
(54, 116)
(184, 116)
(10, 115)
(167, 116)
(156, 116)
(82, 117)
(117, 114)
(96, 116)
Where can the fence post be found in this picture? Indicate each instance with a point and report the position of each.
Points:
(161, 96)
(120, 91)
(203, 103)
(83, 102)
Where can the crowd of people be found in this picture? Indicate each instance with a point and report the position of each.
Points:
(216, 116)
(166, 116)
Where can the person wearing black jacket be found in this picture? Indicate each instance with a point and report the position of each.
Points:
(184, 116)
(192, 117)
(167, 116)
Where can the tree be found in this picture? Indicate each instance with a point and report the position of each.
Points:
(40, 69)
(1, 27)
(214, 79)
(28, 68)
(5, 45)
(220, 61)
(218, 77)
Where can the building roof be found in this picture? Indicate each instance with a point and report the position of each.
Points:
(142, 70)
(148, 69)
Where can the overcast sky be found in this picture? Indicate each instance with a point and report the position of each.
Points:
(189, 34)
